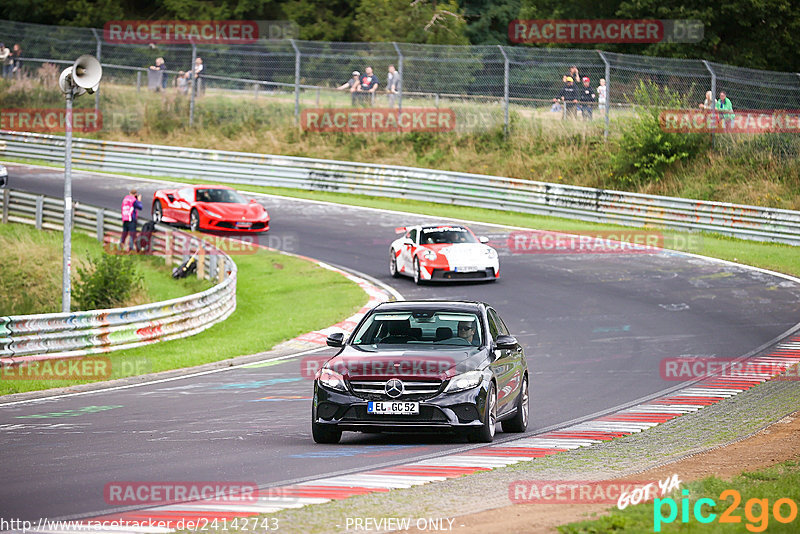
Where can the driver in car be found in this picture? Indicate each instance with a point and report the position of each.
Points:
(466, 330)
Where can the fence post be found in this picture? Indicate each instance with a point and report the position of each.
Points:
(713, 95)
(608, 92)
(194, 86)
(138, 81)
(296, 80)
(98, 55)
(505, 89)
(402, 78)
(39, 211)
(201, 262)
(6, 200)
(99, 226)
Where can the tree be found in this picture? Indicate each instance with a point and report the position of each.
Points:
(411, 21)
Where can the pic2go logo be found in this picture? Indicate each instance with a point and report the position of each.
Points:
(756, 511)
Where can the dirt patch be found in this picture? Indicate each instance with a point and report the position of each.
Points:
(777, 443)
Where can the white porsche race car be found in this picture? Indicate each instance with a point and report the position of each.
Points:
(444, 252)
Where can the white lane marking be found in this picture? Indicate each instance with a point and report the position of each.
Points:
(163, 380)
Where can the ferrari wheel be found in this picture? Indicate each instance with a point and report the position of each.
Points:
(158, 212)
(194, 221)
(393, 265)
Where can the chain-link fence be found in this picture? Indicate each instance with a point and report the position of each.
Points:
(485, 86)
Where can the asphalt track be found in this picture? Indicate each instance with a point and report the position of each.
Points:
(595, 328)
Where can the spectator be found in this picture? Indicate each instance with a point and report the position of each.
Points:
(5, 60)
(573, 73)
(708, 103)
(160, 66)
(348, 85)
(724, 104)
(587, 98)
(392, 85)
(195, 75)
(352, 86)
(181, 82)
(569, 99)
(556, 107)
(16, 54)
(601, 95)
(131, 204)
(368, 85)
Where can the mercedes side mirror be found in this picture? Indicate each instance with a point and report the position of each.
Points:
(335, 340)
(506, 342)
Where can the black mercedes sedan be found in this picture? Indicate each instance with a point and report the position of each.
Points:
(416, 366)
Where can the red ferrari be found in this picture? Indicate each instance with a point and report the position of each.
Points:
(209, 207)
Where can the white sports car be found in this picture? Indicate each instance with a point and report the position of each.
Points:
(443, 252)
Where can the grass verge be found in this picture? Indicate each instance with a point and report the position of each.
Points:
(753, 510)
(278, 297)
(31, 267)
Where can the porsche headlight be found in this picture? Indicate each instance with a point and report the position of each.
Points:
(332, 380)
(464, 381)
(490, 252)
(429, 255)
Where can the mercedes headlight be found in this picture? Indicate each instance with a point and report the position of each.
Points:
(464, 381)
(332, 380)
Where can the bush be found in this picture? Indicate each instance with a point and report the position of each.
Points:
(645, 151)
(107, 282)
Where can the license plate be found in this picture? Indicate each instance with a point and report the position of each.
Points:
(243, 224)
(467, 269)
(393, 408)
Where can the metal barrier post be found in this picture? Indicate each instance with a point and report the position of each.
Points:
(608, 94)
(168, 248)
(402, 79)
(138, 81)
(98, 55)
(6, 200)
(213, 266)
(505, 89)
(39, 211)
(296, 79)
(713, 95)
(201, 262)
(100, 220)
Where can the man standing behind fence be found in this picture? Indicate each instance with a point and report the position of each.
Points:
(587, 99)
(131, 204)
(724, 104)
(368, 86)
(392, 85)
(569, 96)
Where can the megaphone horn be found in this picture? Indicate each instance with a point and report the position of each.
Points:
(87, 71)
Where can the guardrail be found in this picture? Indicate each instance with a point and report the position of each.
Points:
(527, 196)
(61, 335)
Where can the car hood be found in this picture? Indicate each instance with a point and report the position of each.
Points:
(460, 251)
(365, 363)
(234, 211)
